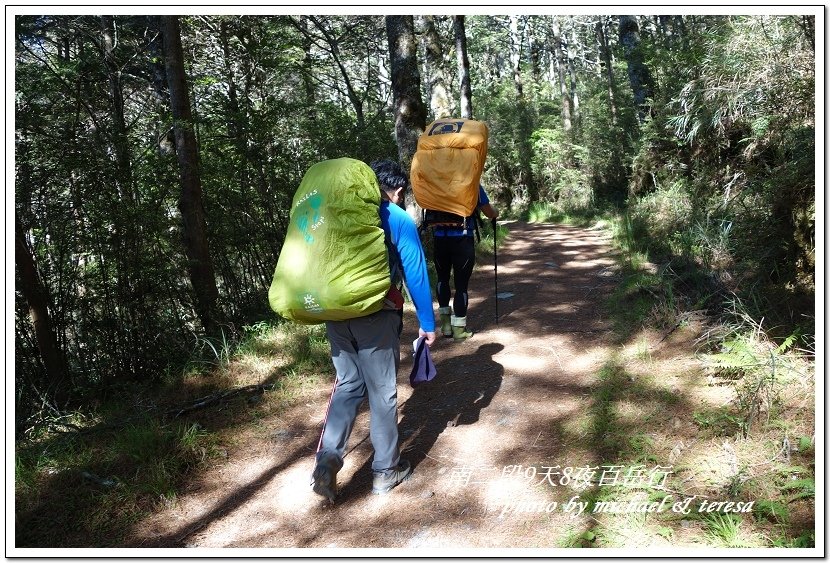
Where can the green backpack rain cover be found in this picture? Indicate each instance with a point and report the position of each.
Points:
(334, 262)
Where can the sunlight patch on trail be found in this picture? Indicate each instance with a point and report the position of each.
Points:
(295, 494)
(525, 363)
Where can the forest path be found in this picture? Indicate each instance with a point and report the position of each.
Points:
(505, 405)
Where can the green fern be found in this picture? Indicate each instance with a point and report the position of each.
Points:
(738, 353)
(788, 342)
(804, 488)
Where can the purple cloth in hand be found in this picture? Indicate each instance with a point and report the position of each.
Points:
(423, 369)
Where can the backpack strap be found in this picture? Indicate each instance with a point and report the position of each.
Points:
(445, 220)
(395, 266)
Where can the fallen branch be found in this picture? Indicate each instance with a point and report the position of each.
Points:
(220, 396)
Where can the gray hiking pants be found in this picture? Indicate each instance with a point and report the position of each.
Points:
(366, 355)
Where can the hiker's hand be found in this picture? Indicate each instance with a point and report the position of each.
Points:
(489, 211)
(429, 337)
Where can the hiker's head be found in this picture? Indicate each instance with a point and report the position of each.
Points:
(392, 179)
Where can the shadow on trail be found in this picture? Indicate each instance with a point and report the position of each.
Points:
(232, 501)
(463, 386)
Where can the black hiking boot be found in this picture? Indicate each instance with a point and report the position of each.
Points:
(385, 481)
(324, 477)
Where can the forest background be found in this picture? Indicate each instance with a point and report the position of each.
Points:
(155, 158)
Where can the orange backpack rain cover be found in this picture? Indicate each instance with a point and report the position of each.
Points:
(447, 166)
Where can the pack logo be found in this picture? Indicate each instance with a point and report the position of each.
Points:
(441, 127)
(310, 304)
(306, 223)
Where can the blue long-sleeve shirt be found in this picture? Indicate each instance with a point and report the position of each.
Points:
(403, 234)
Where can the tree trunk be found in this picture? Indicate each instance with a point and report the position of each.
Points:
(130, 284)
(534, 52)
(410, 112)
(605, 58)
(191, 206)
(119, 134)
(807, 25)
(463, 67)
(525, 191)
(638, 72)
(37, 298)
(308, 72)
(561, 66)
(236, 129)
(516, 55)
(439, 98)
(570, 50)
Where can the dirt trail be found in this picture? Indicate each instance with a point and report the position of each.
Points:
(479, 436)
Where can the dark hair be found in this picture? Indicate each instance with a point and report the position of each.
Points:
(390, 175)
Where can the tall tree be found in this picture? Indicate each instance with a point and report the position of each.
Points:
(605, 63)
(37, 298)
(562, 68)
(460, 34)
(191, 206)
(410, 112)
(130, 283)
(570, 49)
(119, 134)
(439, 97)
(638, 73)
(516, 54)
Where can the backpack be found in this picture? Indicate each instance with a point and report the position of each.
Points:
(446, 171)
(334, 263)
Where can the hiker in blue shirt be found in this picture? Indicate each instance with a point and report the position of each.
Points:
(365, 351)
(455, 253)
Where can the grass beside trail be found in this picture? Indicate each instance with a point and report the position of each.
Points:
(696, 388)
(85, 479)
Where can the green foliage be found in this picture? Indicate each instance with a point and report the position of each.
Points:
(575, 539)
(771, 510)
(726, 149)
(307, 346)
(542, 212)
(100, 203)
(758, 367)
(660, 217)
(725, 530)
(567, 186)
(719, 422)
(806, 540)
(93, 482)
(800, 488)
(721, 175)
(508, 175)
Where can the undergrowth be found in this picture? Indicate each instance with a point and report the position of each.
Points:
(85, 482)
(760, 435)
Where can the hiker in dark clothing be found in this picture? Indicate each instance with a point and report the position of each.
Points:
(454, 253)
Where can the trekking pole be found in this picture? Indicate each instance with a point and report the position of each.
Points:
(326, 418)
(495, 269)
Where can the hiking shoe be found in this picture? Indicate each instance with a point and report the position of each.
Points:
(385, 481)
(325, 478)
(459, 329)
(446, 317)
(460, 333)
